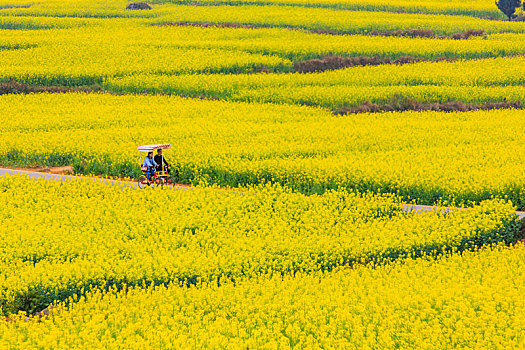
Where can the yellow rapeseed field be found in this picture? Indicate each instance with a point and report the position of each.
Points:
(280, 15)
(472, 300)
(477, 8)
(61, 238)
(425, 156)
(482, 80)
(78, 51)
(295, 233)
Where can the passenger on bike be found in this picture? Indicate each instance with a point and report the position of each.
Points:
(159, 159)
(150, 163)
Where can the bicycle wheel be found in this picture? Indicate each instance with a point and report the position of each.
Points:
(159, 182)
(143, 182)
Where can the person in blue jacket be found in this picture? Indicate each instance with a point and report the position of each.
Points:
(151, 164)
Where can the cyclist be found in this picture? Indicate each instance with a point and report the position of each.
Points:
(150, 163)
(159, 159)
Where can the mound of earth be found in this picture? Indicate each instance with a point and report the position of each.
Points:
(138, 6)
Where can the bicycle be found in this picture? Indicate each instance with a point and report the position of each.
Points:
(159, 178)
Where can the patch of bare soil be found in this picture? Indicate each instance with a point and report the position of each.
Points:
(138, 6)
(409, 33)
(338, 62)
(427, 33)
(42, 314)
(39, 315)
(412, 33)
(521, 233)
(62, 170)
(59, 170)
(205, 24)
(14, 87)
(399, 105)
(25, 6)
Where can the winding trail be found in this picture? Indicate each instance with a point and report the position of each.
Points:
(35, 175)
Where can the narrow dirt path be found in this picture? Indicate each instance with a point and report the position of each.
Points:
(64, 173)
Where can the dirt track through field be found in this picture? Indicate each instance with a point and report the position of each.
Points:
(38, 175)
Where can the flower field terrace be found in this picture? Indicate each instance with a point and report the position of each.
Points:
(303, 128)
(474, 8)
(114, 8)
(208, 234)
(78, 51)
(472, 299)
(422, 156)
(213, 62)
(336, 21)
(473, 81)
